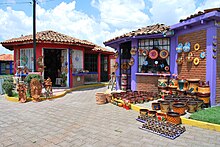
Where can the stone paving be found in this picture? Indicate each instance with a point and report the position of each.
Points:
(76, 120)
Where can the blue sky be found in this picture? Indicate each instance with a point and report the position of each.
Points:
(93, 20)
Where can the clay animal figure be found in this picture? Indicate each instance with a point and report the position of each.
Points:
(22, 90)
(36, 89)
(48, 87)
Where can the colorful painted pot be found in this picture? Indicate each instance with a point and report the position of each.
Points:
(182, 85)
(152, 113)
(124, 76)
(161, 116)
(164, 106)
(204, 96)
(173, 82)
(199, 104)
(193, 85)
(143, 112)
(155, 106)
(186, 47)
(162, 82)
(179, 48)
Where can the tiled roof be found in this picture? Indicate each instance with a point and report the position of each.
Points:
(148, 30)
(200, 13)
(53, 37)
(6, 57)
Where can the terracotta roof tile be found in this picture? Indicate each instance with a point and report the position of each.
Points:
(6, 57)
(53, 37)
(148, 30)
(200, 13)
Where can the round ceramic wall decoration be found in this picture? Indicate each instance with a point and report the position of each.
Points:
(179, 48)
(196, 47)
(145, 52)
(167, 68)
(196, 61)
(24, 60)
(133, 51)
(202, 55)
(186, 47)
(164, 53)
(179, 61)
(153, 54)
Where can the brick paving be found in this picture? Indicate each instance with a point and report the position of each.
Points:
(76, 120)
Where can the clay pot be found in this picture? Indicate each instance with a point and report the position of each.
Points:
(165, 106)
(143, 112)
(161, 116)
(173, 117)
(100, 98)
(162, 82)
(108, 97)
(155, 106)
(152, 113)
(179, 108)
(192, 106)
(199, 104)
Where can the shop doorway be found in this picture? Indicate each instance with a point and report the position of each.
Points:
(104, 68)
(52, 61)
(125, 72)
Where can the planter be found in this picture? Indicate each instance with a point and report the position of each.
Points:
(100, 98)
(165, 106)
(152, 113)
(173, 117)
(179, 108)
(192, 106)
(161, 116)
(143, 112)
(155, 106)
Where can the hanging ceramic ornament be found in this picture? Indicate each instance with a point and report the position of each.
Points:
(186, 47)
(179, 48)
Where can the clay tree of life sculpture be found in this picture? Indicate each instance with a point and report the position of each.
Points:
(48, 87)
(22, 90)
(36, 89)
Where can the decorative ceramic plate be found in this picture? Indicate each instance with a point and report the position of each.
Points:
(145, 52)
(202, 55)
(164, 53)
(153, 54)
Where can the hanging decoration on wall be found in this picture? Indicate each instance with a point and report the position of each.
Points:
(116, 65)
(164, 53)
(153, 54)
(145, 63)
(196, 47)
(133, 51)
(167, 68)
(179, 48)
(131, 62)
(145, 52)
(40, 64)
(140, 51)
(186, 47)
(190, 57)
(202, 55)
(24, 60)
(179, 61)
(196, 61)
(124, 66)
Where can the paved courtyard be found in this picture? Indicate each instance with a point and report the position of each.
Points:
(76, 120)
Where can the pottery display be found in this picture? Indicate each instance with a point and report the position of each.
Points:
(199, 104)
(162, 82)
(143, 112)
(182, 85)
(205, 97)
(155, 106)
(22, 91)
(152, 113)
(161, 116)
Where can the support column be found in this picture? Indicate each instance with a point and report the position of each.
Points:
(173, 55)
(134, 68)
(10, 67)
(99, 67)
(117, 72)
(211, 63)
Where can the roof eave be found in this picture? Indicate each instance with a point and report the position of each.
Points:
(204, 17)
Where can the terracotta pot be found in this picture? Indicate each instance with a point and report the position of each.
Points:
(152, 113)
(192, 106)
(173, 117)
(161, 116)
(165, 106)
(143, 112)
(179, 108)
(100, 98)
(199, 104)
(205, 97)
(193, 84)
(155, 106)
(162, 82)
(108, 97)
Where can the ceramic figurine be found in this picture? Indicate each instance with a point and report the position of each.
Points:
(36, 89)
(22, 90)
(186, 47)
(179, 48)
(48, 87)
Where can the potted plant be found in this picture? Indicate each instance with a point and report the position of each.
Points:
(64, 79)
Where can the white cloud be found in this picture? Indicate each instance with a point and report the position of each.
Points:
(122, 13)
(207, 4)
(170, 12)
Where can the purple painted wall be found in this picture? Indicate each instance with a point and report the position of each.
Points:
(118, 70)
(211, 63)
(173, 55)
(134, 68)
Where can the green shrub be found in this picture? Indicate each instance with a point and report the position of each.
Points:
(8, 87)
